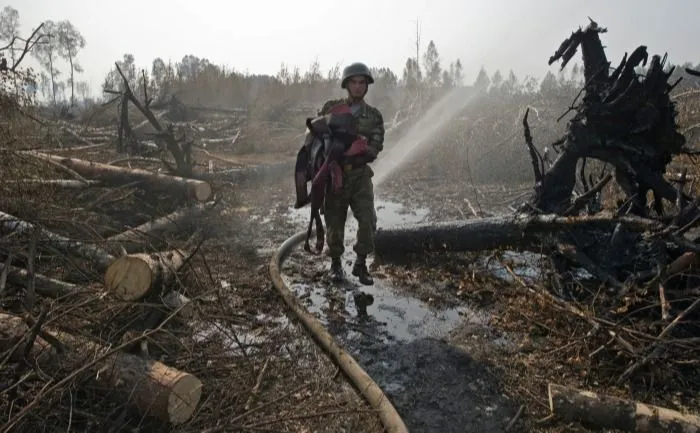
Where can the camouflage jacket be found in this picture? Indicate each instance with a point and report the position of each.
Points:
(370, 122)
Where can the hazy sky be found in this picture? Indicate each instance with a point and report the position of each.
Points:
(258, 35)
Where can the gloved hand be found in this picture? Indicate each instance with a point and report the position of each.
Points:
(364, 158)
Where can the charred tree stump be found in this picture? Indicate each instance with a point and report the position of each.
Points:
(624, 121)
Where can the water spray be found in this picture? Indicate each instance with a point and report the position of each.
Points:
(421, 132)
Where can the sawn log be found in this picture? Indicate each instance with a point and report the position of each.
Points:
(198, 189)
(134, 276)
(607, 412)
(154, 388)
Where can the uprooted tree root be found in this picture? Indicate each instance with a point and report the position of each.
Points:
(632, 324)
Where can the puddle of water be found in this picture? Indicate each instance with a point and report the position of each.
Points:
(390, 316)
(526, 265)
(397, 317)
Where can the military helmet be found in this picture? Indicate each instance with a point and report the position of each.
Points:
(355, 69)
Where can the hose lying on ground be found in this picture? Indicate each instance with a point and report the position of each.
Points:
(371, 392)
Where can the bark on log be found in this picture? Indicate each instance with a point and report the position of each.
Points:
(45, 286)
(489, 233)
(602, 411)
(90, 252)
(133, 239)
(154, 388)
(134, 276)
(195, 188)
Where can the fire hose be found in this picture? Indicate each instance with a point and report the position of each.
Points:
(368, 388)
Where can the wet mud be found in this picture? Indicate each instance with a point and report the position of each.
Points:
(430, 359)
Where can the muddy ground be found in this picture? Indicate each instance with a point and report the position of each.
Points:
(430, 336)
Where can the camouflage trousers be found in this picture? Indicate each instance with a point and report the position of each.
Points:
(357, 194)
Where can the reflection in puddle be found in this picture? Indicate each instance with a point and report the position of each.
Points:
(397, 317)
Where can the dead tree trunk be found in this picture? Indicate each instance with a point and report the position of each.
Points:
(488, 233)
(90, 252)
(154, 388)
(181, 150)
(198, 189)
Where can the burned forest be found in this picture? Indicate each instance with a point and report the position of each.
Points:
(535, 259)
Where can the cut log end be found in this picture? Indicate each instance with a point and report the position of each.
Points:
(133, 277)
(157, 390)
(184, 397)
(202, 191)
(129, 278)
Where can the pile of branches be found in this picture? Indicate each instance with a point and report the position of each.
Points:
(85, 282)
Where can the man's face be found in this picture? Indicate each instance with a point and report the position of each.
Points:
(357, 87)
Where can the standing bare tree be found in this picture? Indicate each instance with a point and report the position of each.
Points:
(70, 41)
(47, 53)
(9, 31)
(9, 28)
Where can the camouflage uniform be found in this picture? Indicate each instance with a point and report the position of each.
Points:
(358, 190)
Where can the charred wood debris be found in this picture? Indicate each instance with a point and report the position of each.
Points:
(624, 128)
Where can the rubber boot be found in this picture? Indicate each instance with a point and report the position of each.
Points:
(337, 273)
(360, 271)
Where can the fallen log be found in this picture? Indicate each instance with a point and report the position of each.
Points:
(608, 412)
(45, 286)
(62, 183)
(198, 189)
(90, 252)
(494, 232)
(134, 276)
(133, 239)
(154, 388)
